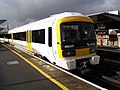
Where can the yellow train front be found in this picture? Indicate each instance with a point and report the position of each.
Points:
(76, 43)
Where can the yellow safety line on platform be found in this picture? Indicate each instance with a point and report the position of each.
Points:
(39, 70)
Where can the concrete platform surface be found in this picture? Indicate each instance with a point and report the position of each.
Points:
(20, 71)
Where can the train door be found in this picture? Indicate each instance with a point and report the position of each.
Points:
(29, 40)
(12, 42)
(50, 46)
(4, 39)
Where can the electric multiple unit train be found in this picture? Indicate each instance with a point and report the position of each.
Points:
(66, 39)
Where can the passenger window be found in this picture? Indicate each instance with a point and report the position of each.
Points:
(38, 36)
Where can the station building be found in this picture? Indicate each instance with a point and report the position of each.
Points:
(107, 28)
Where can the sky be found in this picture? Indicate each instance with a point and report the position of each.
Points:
(21, 12)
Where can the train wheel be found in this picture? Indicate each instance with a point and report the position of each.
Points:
(54, 63)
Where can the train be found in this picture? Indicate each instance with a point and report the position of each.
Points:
(66, 39)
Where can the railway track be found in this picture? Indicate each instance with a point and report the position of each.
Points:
(104, 75)
(107, 73)
(103, 81)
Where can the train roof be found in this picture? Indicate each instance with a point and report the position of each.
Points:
(66, 14)
(50, 20)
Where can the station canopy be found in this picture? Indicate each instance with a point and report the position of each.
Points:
(2, 21)
(1, 28)
(105, 21)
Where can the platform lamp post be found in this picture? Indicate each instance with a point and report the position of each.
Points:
(7, 27)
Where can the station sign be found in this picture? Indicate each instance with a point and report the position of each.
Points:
(101, 32)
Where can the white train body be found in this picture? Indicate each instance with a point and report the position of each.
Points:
(45, 37)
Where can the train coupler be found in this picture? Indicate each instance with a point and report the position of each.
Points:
(83, 67)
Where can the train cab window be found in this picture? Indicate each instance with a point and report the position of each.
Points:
(70, 32)
(50, 36)
(38, 36)
(77, 31)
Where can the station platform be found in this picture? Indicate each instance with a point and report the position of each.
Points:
(20, 71)
(111, 49)
(109, 53)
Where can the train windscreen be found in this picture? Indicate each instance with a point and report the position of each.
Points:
(77, 31)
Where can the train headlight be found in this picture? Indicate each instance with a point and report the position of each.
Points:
(92, 49)
(67, 53)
